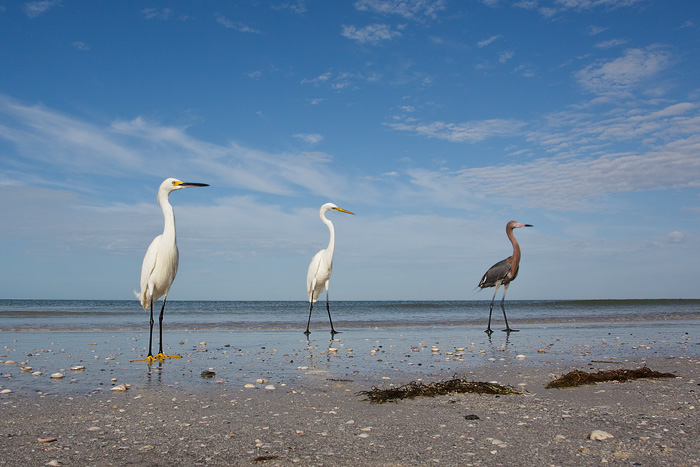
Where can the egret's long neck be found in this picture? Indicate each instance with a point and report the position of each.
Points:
(168, 215)
(516, 251)
(331, 242)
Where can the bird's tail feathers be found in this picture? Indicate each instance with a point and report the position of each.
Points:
(142, 298)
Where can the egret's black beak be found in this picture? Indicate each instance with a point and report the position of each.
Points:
(186, 184)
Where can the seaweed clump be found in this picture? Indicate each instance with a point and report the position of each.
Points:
(439, 388)
(580, 378)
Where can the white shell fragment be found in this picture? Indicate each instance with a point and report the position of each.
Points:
(120, 388)
(77, 367)
(57, 375)
(600, 435)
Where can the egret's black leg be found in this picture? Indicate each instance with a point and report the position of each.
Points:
(150, 337)
(160, 327)
(311, 307)
(328, 308)
(488, 328)
(508, 328)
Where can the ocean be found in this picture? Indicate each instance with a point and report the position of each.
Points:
(17, 315)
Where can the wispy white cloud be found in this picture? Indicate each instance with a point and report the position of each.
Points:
(611, 43)
(460, 132)
(490, 40)
(138, 146)
(625, 74)
(410, 9)
(373, 33)
(81, 46)
(163, 14)
(235, 25)
(35, 9)
(311, 138)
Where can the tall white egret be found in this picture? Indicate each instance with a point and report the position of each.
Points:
(321, 267)
(160, 263)
(502, 273)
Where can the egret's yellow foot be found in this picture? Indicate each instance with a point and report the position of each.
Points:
(161, 356)
(150, 359)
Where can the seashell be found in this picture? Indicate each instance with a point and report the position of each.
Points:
(46, 440)
(6, 391)
(600, 435)
(250, 386)
(270, 387)
(37, 373)
(57, 376)
(26, 368)
(520, 357)
(261, 381)
(77, 367)
(120, 388)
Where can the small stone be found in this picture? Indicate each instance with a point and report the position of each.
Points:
(94, 428)
(520, 357)
(208, 374)
(26, 369)
(37, 373)
(120, 388)
(270, 387)
(77, 367)
(261, 381)
(57, 375)
(6, 391)
(472, 417)
(46, 440)
(10, 362)
(600, 435)
(250, 386)
(53, 463)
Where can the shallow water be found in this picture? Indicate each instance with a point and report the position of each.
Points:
(232, 315)
(287, 360)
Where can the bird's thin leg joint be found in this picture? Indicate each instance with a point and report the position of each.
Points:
(161, 355)
(311, 307)
(328, 308)
(508, 329)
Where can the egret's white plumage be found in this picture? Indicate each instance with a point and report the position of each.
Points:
(160, 263)
(321, 266)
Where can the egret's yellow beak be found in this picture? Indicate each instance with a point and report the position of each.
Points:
(343, 210)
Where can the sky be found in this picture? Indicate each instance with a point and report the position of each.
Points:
(434, 121)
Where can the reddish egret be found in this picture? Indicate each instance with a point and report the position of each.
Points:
(502, 273)
(160, 263)
(321, 266)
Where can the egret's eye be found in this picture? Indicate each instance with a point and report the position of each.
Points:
(176, 182)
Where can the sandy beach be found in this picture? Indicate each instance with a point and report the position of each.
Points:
(273, 398)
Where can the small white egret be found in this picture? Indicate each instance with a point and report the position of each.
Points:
(160, 263)
(321, 266)
(502, 273)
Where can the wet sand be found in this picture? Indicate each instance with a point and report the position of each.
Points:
(277, 399)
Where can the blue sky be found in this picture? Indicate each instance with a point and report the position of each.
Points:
(435, 121)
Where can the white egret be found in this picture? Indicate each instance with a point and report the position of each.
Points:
(160, 263)
(502, 273)
(321, 266)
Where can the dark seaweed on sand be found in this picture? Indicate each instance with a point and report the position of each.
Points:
(440, 388)
(579, 378)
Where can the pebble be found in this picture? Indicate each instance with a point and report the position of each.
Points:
(6, 391)
(262, 381)
(46, 440)
(270, 387)
(10, 362)
(26, 368)
(120, 388)
(37, 373)
(77, 367)
(600, 435)
(53, 462)
(250, 386)
(520, 357)
(57, 375)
